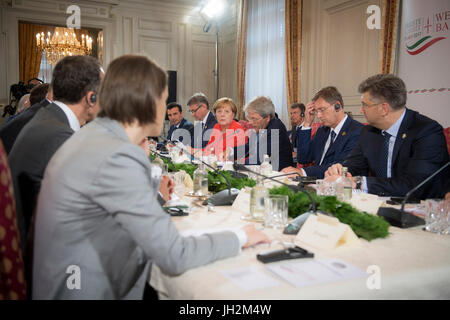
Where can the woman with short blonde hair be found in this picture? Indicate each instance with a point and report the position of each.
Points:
(227, 133)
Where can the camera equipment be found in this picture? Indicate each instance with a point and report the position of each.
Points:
(17, 91)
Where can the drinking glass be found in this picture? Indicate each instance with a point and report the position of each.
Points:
(436, 218)
(276, 211)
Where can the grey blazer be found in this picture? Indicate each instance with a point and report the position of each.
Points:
(97, 214)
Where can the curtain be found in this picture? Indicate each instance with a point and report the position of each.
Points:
(389, 35)
(293, 23)
(266, 59)
(241, 55)
(29, 55)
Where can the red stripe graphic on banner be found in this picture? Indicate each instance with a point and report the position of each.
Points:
(413, 53)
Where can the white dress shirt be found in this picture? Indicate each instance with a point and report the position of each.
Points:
(73, 120)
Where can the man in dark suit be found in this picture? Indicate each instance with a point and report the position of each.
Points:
(177, 121)
(268, 136)
(75, 83)
(399, 148)
(10, 131)
(205, 120)
(297, 114)
(334, 140)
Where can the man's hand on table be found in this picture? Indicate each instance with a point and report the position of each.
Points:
(254, 236)
(334, 172)
(292, 170)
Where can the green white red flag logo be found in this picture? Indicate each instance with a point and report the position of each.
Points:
(422, 45)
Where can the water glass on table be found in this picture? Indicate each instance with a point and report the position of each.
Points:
(276, 211)
(437, 216)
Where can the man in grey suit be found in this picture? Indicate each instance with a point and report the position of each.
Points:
(98, 227)
(75, 84)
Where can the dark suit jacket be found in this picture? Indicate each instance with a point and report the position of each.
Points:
(201, 140)
(282, 156)
(35, 145)
(311, 150)
(184, 124)
(10, 131)
(420, 149)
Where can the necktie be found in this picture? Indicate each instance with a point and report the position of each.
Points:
(382, 170)
(332, 135)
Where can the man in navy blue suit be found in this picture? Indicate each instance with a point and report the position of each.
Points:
(334, 140)
(177, 121)
(399, 148)
(205, 120)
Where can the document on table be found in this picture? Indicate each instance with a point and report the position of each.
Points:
(310, 272)
(250, 278)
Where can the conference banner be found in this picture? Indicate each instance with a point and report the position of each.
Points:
(424, 52)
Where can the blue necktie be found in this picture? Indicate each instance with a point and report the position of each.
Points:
(332, 135)
(382, 170)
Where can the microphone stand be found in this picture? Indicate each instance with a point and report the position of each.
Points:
(294, 226)
(221, 198)
(240, 167)
(401, 218)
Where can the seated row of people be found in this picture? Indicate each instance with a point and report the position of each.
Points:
(397, 150)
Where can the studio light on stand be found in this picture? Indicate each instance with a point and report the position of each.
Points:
(210, 13)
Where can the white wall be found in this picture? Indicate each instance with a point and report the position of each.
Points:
(338, 49)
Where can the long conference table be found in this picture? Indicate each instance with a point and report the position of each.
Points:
(409, 264)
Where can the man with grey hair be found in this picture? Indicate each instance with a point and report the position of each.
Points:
(399, 148)
(268, 136)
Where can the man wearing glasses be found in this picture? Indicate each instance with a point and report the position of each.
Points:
(334, 140)
(205, 121)
(399, 148)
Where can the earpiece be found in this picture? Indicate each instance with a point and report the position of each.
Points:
(302, 114)
(93, 98)
(337, 106)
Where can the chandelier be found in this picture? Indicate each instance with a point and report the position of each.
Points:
(63, 42)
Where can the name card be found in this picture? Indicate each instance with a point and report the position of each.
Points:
(326, 232)
(242, 201)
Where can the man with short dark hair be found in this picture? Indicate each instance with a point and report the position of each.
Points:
(399, 148)
(297, 114)
(205, 120)
(177, 121)
(334, 140)
(75, 83)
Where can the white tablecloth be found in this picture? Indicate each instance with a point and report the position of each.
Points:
(414, 264)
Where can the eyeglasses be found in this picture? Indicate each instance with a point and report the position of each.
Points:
(321, 110)
(365, 105)
(194, 111)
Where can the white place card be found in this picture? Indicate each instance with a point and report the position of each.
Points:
(326, 232)
(242, 201)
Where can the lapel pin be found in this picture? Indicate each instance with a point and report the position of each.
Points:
(404, 136)
(344, 133)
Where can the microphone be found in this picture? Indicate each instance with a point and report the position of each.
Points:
(401, 218)
(221, 198)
